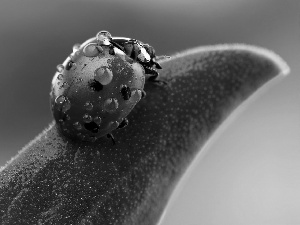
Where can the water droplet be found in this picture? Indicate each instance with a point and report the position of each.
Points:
(88, 106)
(76, 47)
(66, 105)
(60, 76)
(60, 68)
(74, 65)
(103, 38)
(91, 50)
(136, 95)
(64, 84)
(70, 65)
(67, 117)
(75, 55)
(103, 75)
(60, 99)
(87, 118)
(113, 125)
(111, 104)
(77, 126)
(97, 120)
(63, 102)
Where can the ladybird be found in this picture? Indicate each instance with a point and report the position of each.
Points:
(99, 84)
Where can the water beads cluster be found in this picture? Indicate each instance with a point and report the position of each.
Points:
(96, 88)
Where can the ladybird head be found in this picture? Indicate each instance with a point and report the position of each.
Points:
(95, 89)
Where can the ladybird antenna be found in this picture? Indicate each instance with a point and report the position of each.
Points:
(162, 57)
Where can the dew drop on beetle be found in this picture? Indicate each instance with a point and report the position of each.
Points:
(77, 126)
(60, 68)
(103, 38)
(97, 120)
(76, 47)
(60, 76)
(103, 75)
(88, 106)
(87, 118)
(91, 50)
(66, 105)
(60, 99)
(111, 105)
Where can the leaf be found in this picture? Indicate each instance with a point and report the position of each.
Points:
(54, 180)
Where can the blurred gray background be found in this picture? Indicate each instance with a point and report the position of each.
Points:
(251, 173)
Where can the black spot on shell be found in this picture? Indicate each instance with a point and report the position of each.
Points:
(126, 92)
(96, 85)
(92, 126)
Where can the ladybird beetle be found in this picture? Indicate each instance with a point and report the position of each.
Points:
(99, 84)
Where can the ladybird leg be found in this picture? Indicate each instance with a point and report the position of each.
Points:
(157, 65)
(123, 124)
(111, 137)
(150, 71)
(153, 78)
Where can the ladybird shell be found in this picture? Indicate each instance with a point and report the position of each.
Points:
(88, 99)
